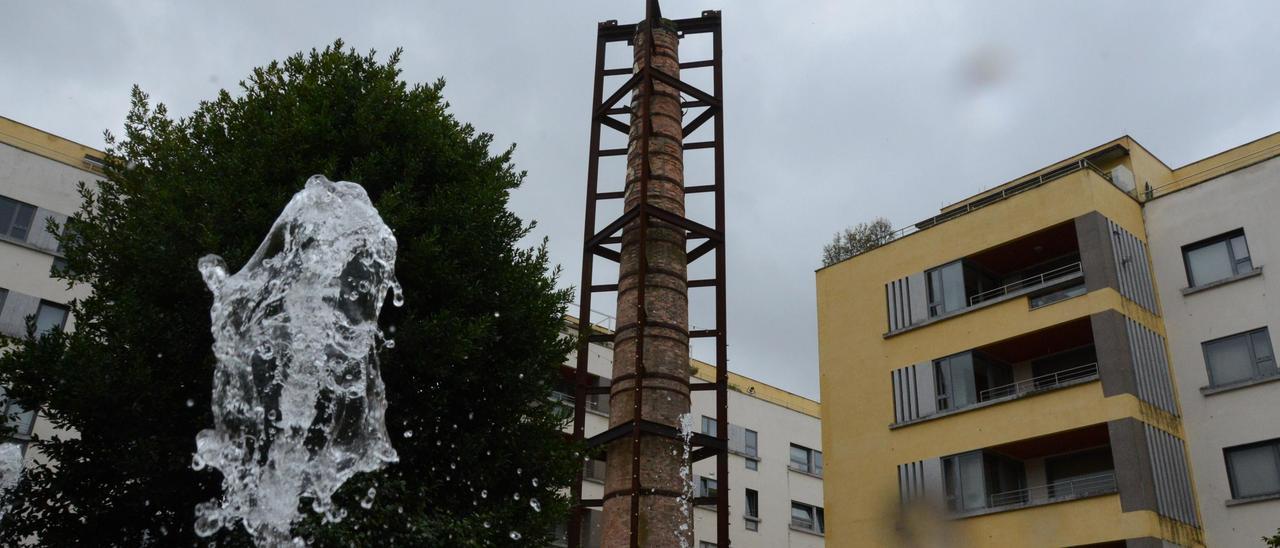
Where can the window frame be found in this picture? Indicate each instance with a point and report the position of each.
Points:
(1225, 239)
(1231, 472)
(936, 297)
(1254, 362)
(817, 522)
(7, 225)
(709, 426)
(752, 504)
(66, 314)
(813, 460)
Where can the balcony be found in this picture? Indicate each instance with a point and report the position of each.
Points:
(564, 391)
(1044, 267)
(1054, 358)
(1050, 469)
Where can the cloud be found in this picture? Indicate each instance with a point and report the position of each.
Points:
(837, 112)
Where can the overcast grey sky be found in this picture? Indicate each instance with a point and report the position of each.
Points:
(836, 111)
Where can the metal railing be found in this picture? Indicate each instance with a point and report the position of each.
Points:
(1007, 192)
(1030, 281)
(1097, 484)
(1042, 382)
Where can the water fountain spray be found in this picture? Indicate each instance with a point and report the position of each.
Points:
(298, 400)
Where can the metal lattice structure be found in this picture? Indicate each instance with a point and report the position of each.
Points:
(599, 242)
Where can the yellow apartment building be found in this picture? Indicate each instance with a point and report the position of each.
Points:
(999, 374)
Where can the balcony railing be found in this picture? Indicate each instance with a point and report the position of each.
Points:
(1084, 486)
(1043, 382)
(1042, 278)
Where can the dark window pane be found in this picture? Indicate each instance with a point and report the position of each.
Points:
(1229, 360)
(7, 209)
(22, 221)
(753, 503)
(1254, 471)
(1209, 263)
(799, 457)
(1240, 249)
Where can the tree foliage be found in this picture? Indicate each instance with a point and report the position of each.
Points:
(857, 239)
(477, 342)
(1272, 541)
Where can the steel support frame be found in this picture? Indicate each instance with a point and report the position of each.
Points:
(597, 241)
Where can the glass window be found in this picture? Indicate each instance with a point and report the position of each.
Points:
(50, 317)
(753, 464)
(976, 480)
(946, 288)
(14, 416)
(752, 443)
(1240, 358)
(809, 518)
(965, 379)
(753, 503)
(708, 426)
(802, 516)
(805, 460)
(1216, 259)
(1254, 470)
(706, 487)
(15, 218)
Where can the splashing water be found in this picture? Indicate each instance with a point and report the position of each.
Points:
(298, 401)
(686, 477)
(10, 470)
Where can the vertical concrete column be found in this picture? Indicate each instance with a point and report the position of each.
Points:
(664, 519)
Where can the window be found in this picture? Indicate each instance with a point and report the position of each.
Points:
(706, 487)
(1240, 357)
(946, 288)
(593, 470)
(752, 443)
(751, 515)
(1254, 470)
(4, 295)
(976, 480)
(807, 518)
(12, 415)
(752, 464)
(806, 460)
(15, 218)
(50, 317)
(705, 544)
(708, 426)
(968, 378)
(1217, 258)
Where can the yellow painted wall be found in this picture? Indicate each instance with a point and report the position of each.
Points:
(855, 359)
(46, 144)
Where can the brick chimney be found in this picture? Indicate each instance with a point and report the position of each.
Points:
(664, 520)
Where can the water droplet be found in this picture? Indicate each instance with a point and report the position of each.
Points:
(191, 402)
(485, 524)
(484, 493)
(197, 463)
(534, 481)
(515, 496)
(408, 433)
(533, 503)
(367, 501)
(266, 350)
(389, 343)
(515, 535)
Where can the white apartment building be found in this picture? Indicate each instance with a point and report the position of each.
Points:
(775, 461)
(1209, 245)
(39, 174)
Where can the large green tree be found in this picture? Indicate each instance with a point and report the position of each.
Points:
(478, 341)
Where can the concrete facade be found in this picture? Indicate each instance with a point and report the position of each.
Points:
(779, 419)
(1246, 199)
(39, 172)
